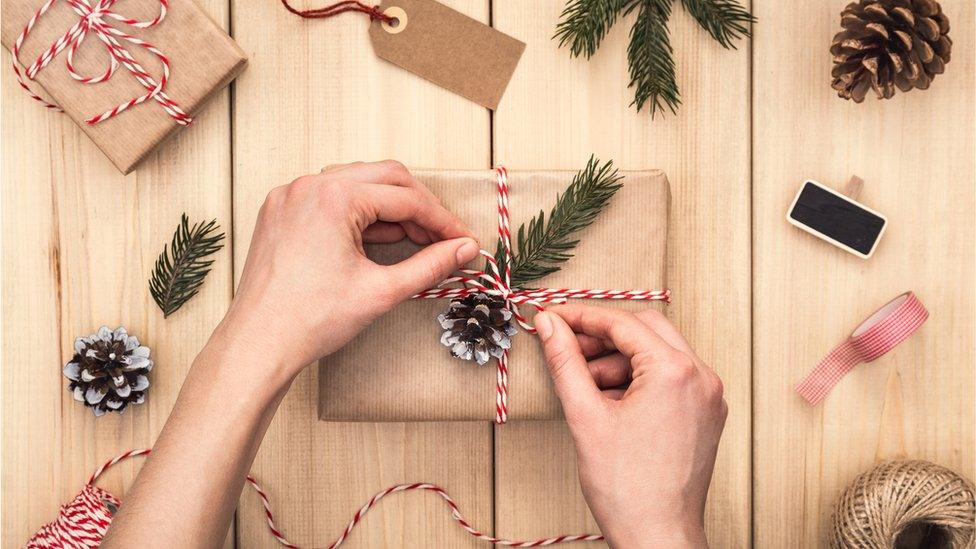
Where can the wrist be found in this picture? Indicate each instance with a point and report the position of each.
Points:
(252, 353)
(661, 536)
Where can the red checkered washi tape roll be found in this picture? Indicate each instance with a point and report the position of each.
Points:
(877, 335)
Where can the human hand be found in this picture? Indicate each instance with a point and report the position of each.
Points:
(308, 288)
(645, 453)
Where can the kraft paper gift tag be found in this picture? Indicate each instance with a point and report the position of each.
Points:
(397, 369)
(203, 60)
(448, 48)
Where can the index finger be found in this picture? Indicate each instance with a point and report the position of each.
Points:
(399, 204)
(628, 334)
(385, 172)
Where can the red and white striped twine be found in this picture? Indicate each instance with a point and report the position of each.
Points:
(499, 284)
(83, 522)
(96, 19)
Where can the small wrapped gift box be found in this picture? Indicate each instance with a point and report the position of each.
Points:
(96, 59)
(398, 370)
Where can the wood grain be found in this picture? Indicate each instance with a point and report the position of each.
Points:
(32, 382)
(338, 103)
(556, 112)
(79, 242)
(916, 155)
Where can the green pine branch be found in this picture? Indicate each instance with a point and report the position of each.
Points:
(651, 58)
(544, 243)
(181, 269)
(584, 23)
(725, 20)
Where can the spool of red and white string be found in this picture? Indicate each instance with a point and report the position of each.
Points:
(98, 19)
(499, 284)
(82, 523)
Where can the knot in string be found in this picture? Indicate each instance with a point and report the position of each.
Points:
(94, 19)
(498, 282)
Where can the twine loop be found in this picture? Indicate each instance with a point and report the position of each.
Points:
(498, 282)
(98, 19)
(332, 10)
(83, 522)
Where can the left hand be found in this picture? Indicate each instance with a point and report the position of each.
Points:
(308, 288)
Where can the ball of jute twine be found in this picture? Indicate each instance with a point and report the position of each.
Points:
(905, 504)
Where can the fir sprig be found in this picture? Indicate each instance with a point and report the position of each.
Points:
(584, 24)
(541, 246)
(651, 58)
(725, 20)
(181, 269)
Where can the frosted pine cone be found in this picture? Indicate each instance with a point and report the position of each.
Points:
(109, 371)
(477, 327)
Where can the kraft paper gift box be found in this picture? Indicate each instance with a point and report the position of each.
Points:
(397, 369)
(203, 60)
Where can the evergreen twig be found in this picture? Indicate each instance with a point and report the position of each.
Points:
(541, 246)
(584, 23)
(651, 58)
(181, 269)
(725, 20)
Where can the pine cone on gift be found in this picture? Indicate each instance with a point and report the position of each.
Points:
(109, 371)
(887, 44)
(477, 327)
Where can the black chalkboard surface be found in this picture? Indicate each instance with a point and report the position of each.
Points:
(837, 219)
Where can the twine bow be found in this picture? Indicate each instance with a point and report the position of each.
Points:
(498, 283)
(97, 18)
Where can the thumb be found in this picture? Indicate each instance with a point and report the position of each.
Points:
(574, 385)
(428, 267)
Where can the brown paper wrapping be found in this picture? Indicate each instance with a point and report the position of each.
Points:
(397, 370)
(203, 59)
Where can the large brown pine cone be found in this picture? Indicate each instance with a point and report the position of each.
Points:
(887, 44)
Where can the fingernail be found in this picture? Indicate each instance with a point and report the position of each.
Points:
(543, 325)
(467, 252)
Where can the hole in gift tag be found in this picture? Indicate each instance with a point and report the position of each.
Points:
(398, 21)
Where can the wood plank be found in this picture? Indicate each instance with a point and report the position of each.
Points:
(915, 153)
(80, 241)
(339, 103)
(32, 383)
(556, 112)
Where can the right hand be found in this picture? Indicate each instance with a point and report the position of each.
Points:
(646, 415)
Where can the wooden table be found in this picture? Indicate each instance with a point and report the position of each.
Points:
(760, 300)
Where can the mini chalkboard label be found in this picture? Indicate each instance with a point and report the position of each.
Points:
(838, 219)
